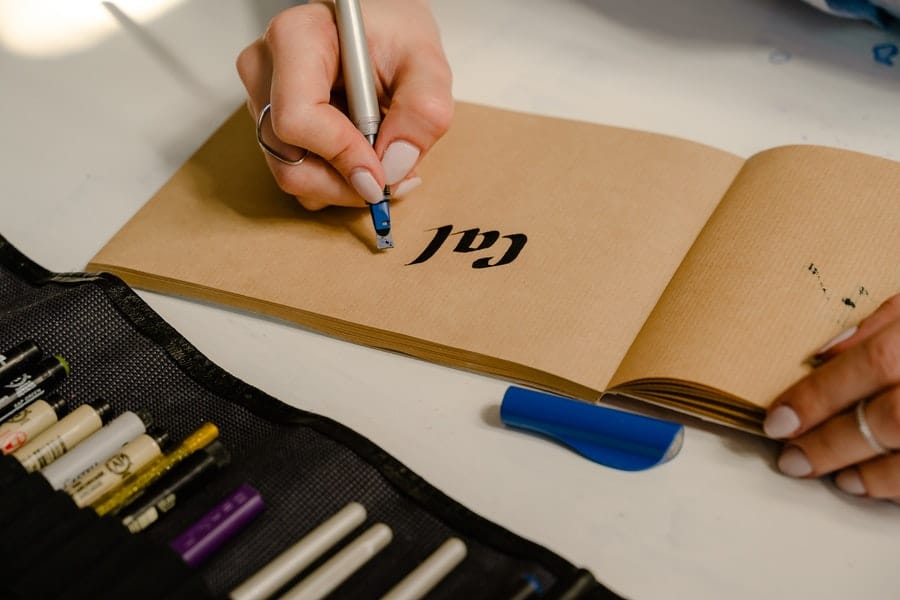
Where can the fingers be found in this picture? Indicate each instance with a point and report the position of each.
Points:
(304, 49)
(294, 68)
(420, 113)
(840, 443)
(888, 311)
(877, 478)
(868, 367)
(844, 417)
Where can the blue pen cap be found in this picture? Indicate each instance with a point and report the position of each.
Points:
(611, 437)
(381, 217)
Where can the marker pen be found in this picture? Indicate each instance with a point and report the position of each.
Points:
(428, 574)
(96, 449)
(527, 588)
(180, 483)
(133, 456)
(308, 549)
(228, 518)
(57, 439)
(135, 485)
(20, 356)
(32, 384)
(30, 421)
(342, 565)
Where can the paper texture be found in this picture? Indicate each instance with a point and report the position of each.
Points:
(569, 256)
(804, 245)
(606, 216)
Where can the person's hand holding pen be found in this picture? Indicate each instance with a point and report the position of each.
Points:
(844, 417)
(296, 67)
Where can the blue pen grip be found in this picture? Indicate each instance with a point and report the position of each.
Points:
(615, 438)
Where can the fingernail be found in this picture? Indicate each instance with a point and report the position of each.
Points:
(837, 340)
(366, 186)
(398, 160)
(405, 186)
(794, 463)
(849, 481)
(781, 422)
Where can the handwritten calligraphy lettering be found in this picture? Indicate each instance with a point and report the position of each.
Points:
(475, 240)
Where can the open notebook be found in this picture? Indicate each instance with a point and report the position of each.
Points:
(574, 257)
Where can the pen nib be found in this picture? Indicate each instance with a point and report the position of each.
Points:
(381, 220)
(384, 241)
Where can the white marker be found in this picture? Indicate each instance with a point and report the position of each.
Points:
(342, 565)
(292, 561)
(96, 449)
(428, 574)
(35, 418)
(97, 481)
(62, 436)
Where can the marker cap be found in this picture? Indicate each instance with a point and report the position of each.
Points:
(196, 544)
(34, 383)
(17, 358)
(162, 496)
(49, 370)
(614, 438)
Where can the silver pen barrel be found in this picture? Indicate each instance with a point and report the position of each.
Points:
(359, 80)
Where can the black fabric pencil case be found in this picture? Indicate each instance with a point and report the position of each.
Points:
(305, 466)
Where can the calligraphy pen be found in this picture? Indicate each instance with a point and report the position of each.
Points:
(362, 101)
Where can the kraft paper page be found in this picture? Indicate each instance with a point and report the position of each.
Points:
(535, 248)
(804, 244)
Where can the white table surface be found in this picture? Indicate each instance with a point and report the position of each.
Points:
(101, 102)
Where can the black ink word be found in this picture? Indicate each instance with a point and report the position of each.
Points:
(473, 240)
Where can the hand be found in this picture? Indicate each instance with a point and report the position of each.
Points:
(296, 67)
(818, 416)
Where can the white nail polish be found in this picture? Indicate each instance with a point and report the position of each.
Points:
(398, 160)
(847, 333)
(405, 186)
(793, 462)
(781, 422)
(366, 186)
(849, 481)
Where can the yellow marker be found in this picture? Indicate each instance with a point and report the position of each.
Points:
(137, 483)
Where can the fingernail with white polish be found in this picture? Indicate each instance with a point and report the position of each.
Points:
(398, 160)
(366, 186)
(781, 422)
(849, 481)
(794, 463)
(847, 333)
(405, 186)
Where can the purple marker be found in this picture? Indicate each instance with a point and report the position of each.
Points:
(228, 518)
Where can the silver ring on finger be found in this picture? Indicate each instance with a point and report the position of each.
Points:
(269, 149)
(863, 425)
